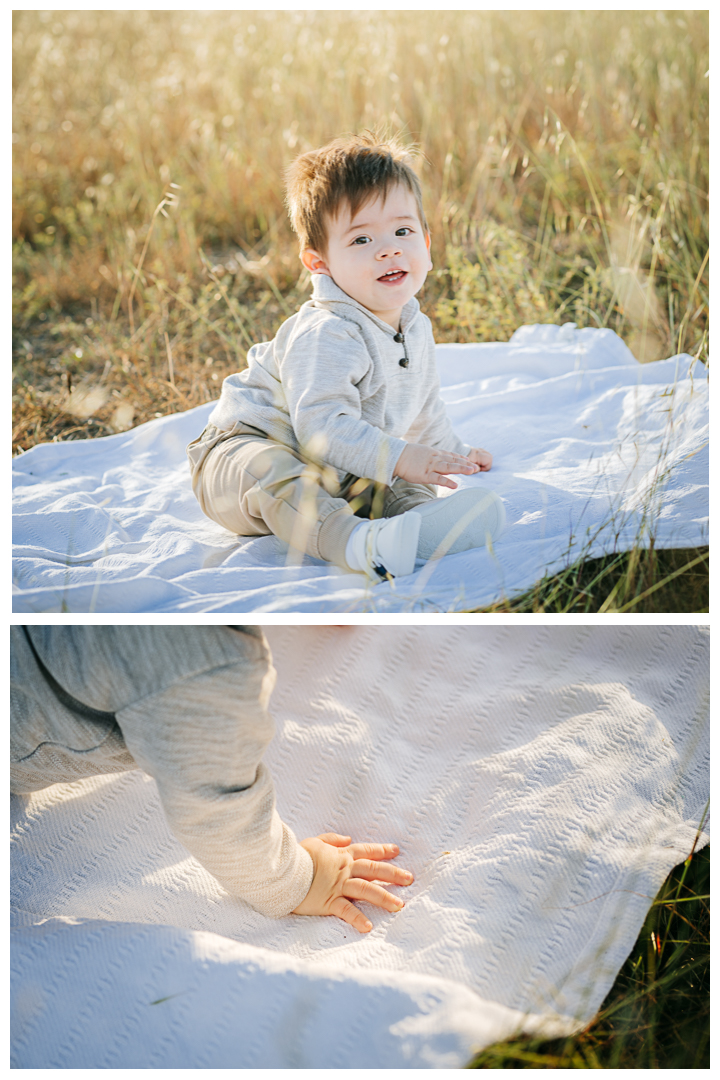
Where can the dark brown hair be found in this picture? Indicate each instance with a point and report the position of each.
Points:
(355, 168)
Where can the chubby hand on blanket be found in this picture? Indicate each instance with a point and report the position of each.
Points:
(481, 458)
(345, 871)
(420, 464)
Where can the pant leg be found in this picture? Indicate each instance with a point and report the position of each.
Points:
(403, 496)
(253, 486)
(372, 500)
(52, 741)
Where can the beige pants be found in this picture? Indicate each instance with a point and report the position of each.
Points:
(253, 486)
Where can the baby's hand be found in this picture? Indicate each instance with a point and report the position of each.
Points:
(422, 465)
(344, 872)
(482, 459)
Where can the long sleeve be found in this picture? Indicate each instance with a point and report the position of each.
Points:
(192, 706)
(202, 741)
(322, 372)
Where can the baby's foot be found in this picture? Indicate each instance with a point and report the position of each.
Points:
(465, 520)
(385, 548)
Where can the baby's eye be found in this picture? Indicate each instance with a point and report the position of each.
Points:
(361, 240)
(405, 230)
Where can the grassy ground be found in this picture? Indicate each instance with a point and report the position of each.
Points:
(565, 169)
(657, 1015)
(641, 580)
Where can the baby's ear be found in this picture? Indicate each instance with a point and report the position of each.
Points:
(314, 262)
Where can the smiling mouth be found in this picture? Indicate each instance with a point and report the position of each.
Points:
(393, 276)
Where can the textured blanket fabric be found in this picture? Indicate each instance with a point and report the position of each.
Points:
(592, 451)
(541, 782)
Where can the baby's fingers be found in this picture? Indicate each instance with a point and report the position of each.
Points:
(359, 889)
(446, 467)
(380, 871)
(374, 851)
(335, 839)
(350, 914)
(438, 479)
(450, 455)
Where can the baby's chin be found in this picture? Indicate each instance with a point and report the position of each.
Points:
(383, 300)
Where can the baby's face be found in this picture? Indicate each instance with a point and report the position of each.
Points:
(380, 257)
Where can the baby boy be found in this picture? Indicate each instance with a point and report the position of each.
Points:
(334, 437)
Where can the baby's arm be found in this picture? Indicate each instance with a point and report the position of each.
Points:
(345, 872)
(320, 376)
(202, 739)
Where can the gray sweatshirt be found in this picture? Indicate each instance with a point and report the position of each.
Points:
(188, 705)
(331, 386)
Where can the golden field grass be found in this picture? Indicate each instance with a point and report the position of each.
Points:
(564, 163)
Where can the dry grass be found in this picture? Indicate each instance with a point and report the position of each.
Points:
(640, 580)
(565, 169)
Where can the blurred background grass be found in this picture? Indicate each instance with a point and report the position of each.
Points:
(564, 163)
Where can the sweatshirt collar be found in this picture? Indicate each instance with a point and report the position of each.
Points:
(326, 292)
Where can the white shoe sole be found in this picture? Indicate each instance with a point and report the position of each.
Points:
(459, 522)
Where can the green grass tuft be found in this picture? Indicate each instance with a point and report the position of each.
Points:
(640, 580)
(657, 1015)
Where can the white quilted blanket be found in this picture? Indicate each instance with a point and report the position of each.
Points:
(592, 450)
(540, 781)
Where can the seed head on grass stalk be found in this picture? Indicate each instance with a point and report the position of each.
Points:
(224, 293)
(169, 199)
